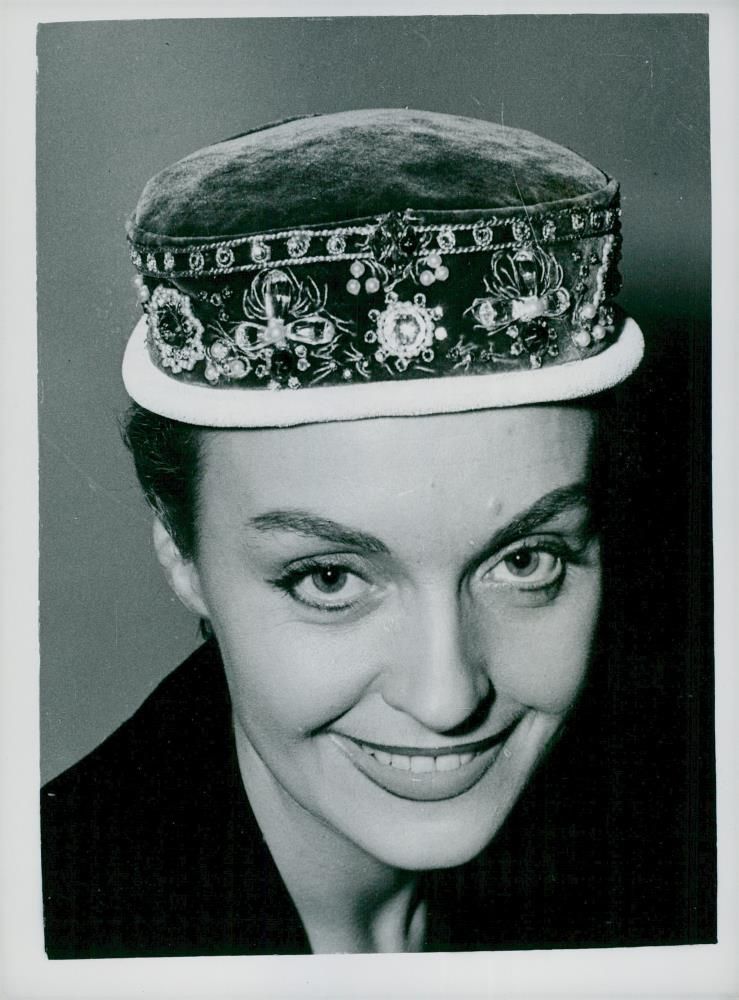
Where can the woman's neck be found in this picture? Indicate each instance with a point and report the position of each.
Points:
(348, 900)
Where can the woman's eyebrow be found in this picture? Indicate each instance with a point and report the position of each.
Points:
(543, 510)
(302, 522)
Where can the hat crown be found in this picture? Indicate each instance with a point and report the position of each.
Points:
(316, 170)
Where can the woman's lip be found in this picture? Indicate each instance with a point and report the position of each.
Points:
(429, 783)
(477, 746)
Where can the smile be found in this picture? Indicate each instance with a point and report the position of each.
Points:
(425, 773)
(424, 760)
(420, 763)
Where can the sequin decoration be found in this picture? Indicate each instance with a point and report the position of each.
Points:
(174, 330)
(297, 245)
(578, 222)
(224, 359)
(224, 257)
(597, 218)
(446, 239)
(336, 244)
(394, 244)
(482, 234)
(260, 251)
(196, 261)
(521, 230)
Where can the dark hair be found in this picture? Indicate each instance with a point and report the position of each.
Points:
(166, 454)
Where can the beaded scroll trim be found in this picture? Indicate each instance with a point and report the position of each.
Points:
(391, 241)
(274, 328)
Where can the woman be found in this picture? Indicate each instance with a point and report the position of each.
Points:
(366, 388)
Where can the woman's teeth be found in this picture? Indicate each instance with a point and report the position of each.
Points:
(420, 764)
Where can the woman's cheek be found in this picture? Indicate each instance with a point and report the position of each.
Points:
(543, 677)
(302, 674)
(540, 656)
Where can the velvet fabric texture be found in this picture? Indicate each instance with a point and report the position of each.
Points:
(323, 169)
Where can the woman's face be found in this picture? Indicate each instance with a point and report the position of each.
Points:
(405, 609)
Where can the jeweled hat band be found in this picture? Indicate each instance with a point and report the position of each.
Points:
(413, 294)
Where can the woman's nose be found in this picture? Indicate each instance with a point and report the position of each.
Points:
(439, 669)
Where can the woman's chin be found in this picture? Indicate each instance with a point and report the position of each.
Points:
(432, 852)
(427, 842)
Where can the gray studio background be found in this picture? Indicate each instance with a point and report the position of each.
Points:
(117, 101)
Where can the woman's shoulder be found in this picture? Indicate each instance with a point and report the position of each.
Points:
(189, 708)
(149, 846)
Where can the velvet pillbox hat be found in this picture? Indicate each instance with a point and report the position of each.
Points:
(375, 263)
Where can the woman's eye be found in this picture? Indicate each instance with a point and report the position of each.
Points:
(529, 568)
(330, 587)
(330, 580)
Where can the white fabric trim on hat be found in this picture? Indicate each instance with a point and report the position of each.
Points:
(239, 407)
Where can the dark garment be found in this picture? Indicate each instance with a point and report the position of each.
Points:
(150, 847)
(149, 844)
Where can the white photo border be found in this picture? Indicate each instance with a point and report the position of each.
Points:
(697, 970)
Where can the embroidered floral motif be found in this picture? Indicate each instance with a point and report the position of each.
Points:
(525, 290)
(396, 250)
(174, 330)
(284, 318)
(254, 308)
(405, 330)
(283, 309)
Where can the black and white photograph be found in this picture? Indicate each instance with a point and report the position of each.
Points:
(376, 536)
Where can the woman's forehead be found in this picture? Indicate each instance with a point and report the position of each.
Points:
(492, 459)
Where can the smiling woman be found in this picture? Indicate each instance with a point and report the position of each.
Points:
(425, 597)
(383, 503)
